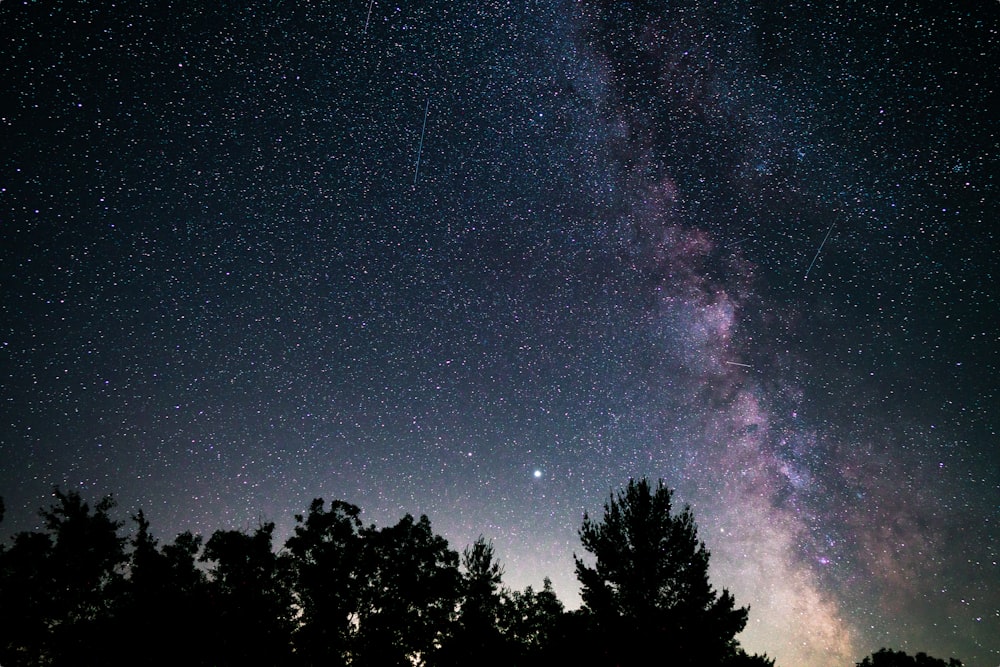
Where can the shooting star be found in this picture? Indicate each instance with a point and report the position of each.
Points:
(819, 250)
(369, 17)
(736, 363)
(420, 148)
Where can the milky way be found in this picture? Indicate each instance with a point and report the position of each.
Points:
(487, 262)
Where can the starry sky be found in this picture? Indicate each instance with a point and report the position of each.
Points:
(486, 261)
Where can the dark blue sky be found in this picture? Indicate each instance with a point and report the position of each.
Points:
(748, 248)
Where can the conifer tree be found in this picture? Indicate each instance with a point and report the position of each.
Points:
(647, 593)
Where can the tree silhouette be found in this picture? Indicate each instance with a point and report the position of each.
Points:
(648, 591)
(58, 589)
(409, 589)
(531, 620)
(325, 552)
(166, 599)
(744, 659)
(250, 598)
(26, 600)
(888, 658)
(343, 594)
(475, 636)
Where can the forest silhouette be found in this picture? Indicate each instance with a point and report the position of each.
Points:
(342, 593)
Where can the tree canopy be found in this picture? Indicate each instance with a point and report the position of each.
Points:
(342, 593)
(888, 658)
(57, 588)
(648, 587)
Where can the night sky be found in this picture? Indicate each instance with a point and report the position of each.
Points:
(488, 260)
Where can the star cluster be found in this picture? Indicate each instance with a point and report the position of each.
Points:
(487, 261)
